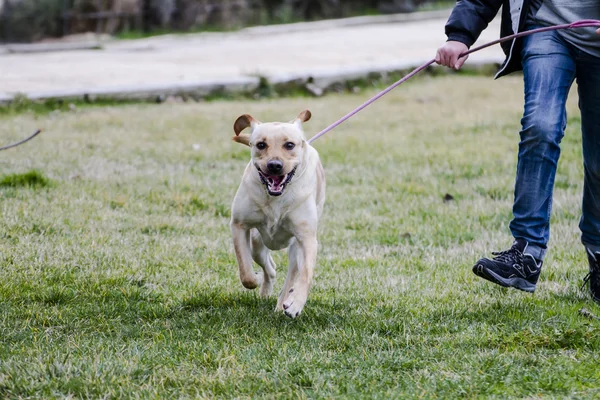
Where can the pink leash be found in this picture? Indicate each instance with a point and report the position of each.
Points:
(579, 24)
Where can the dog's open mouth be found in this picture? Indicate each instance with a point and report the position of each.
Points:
(275, 184)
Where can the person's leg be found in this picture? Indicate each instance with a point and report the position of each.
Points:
(548, 73)
(588, 86)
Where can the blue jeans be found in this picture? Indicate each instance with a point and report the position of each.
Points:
(550, 65)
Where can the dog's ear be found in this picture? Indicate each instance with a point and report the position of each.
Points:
(302, 117)
(243, 122)
(243, 139)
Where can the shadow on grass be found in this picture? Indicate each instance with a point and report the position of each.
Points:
(248, 308)
(135, 308)
(123, 306)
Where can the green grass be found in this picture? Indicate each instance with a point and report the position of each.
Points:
(118, 279)
(22, 105)
(29, 179)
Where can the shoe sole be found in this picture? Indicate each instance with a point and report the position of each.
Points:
(517, 283)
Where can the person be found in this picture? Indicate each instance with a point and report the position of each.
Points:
(550, 61)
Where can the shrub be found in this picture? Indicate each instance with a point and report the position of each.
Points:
(29, 20)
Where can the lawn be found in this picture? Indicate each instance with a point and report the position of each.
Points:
(118, 278)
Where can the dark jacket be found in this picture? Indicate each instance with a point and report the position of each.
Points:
(470, 17)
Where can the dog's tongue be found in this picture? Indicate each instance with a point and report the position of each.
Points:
(275, 182)
(276, 179)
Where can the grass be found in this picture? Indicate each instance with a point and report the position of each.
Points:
(118, 279)
(32, 178)
(21, 105)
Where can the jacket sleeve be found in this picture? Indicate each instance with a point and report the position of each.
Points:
(469, 18)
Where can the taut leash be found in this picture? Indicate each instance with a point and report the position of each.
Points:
(578, 24)
(10, 146)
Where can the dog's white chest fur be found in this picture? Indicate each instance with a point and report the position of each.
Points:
(274, 232)
(274, 220)
(272, 216)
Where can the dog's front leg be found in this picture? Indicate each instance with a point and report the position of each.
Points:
(243, 252)
(294, 259)
(297, 294)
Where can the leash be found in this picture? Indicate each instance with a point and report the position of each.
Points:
(21, 142)
(578, 24)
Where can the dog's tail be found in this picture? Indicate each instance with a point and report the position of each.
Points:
(10, 146)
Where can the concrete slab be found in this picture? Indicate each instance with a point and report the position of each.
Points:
(167, 64)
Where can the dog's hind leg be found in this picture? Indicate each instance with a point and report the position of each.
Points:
(294, 259)
(243, 252)
(262, 256)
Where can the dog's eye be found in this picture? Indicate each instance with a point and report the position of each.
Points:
(261, 145)
(289, 146)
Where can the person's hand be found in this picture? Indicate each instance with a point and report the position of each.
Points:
(598, 31)
(447, 55)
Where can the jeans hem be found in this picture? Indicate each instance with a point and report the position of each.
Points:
(593, 248)
(536, 252)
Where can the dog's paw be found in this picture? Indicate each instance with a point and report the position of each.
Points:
(266, 288)
(253, 281)
(282, 298)
(293, 306)
(279, 306)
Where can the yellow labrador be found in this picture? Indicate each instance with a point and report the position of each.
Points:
(278, 204)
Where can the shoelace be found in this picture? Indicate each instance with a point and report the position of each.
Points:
(510, 256)
(593, 276)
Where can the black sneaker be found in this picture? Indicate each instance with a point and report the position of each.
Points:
(512, 268)
(593, 277)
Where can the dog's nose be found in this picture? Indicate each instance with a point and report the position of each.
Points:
(275, 166)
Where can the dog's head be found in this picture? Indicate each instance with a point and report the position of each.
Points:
(277, 148)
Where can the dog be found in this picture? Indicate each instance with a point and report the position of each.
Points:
(278, 205)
